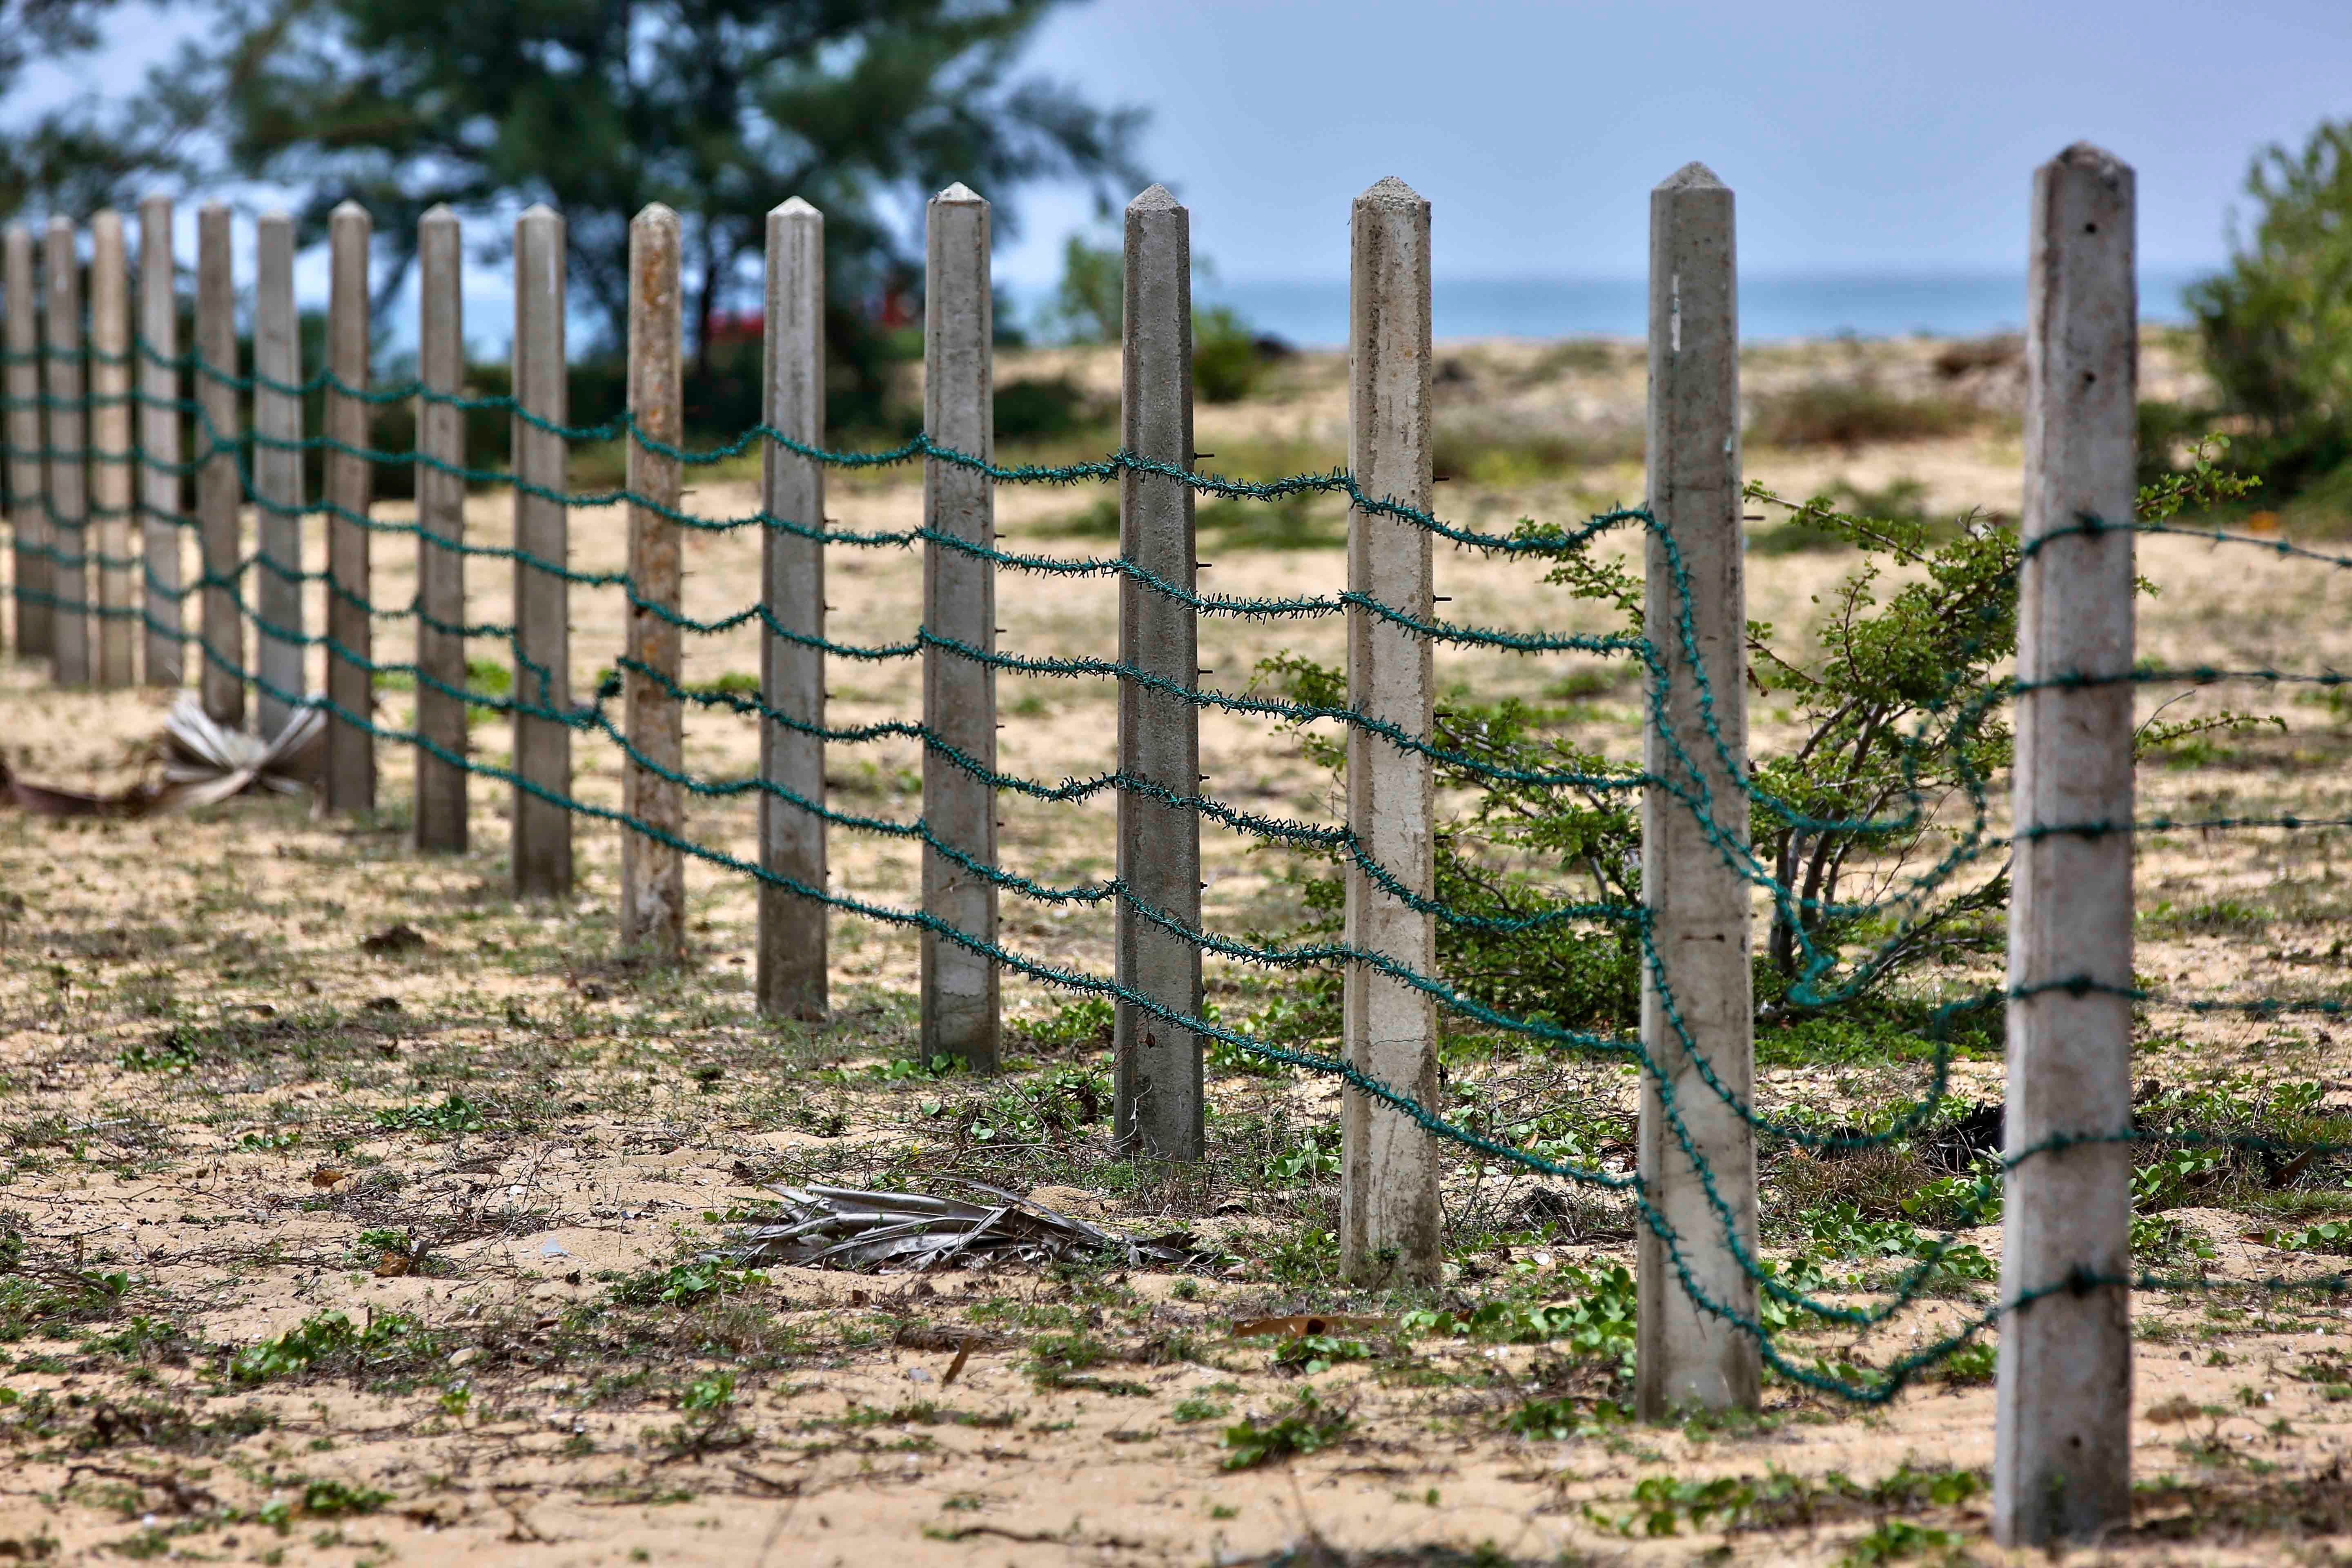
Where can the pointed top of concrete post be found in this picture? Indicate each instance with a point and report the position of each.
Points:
(439, 211)
(215, 206)
(106, 220)
(1388, 191)
(960, 191)
(795, 206)
(2091, 158)
(347, 209)
(1155, 198)
(60, 224)
(655, 212)
(274, 216)
(1691, 176)
(154, 198)
(539, 212)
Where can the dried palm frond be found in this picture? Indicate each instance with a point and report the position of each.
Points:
(875, 1233)
(203, 761)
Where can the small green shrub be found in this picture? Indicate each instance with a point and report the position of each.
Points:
(1306, 1427)
(1226, 363)
(330, 1342)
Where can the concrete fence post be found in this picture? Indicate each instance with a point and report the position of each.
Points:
(1696, 999)
(1158, 1105)
(113, 473)
(440, 532)
(960, 985)
(350, 487)
(653, 872)
(220, 489)
(1389, 1217)
(164, 661)
(540, 850)
(29, 498)
(68, 454)
(792, 946)
(278, 476)
(2062, 1457)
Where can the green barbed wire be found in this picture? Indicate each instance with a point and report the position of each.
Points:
(1682, 780)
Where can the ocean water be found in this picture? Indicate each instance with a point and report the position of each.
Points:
(1957, 305)
(1315, 313)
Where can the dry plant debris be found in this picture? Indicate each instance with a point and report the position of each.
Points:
(881, 1233)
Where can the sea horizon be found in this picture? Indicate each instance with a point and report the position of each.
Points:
(1313, 312)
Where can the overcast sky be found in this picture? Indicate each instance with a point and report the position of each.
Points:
(1860, 135)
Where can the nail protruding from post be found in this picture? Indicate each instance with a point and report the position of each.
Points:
(2061, 1453)
(350, 781)
(1388, 1214)
(791, 973)
(164, 660)
(1158, 1105)
(1696, 1002)
(113, 474)
(960, 994)
(540, 851)
(68, 458)
(653, 871)
(29, 496)
(220, 490)
(278, 476)
(442, 745)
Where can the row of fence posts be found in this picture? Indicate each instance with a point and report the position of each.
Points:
(2063, 1464)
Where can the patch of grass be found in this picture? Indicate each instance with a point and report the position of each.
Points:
(1562, 1419)
(1663, 1504)
(1852, 415)
(1507, 456)
(1597, 1320)
(455, 1114)
(170, 1055)
(1300, 521)
(329, 1344)
(688, 1285)
(1896, 1540)
(1306, 1427)
(1310, 1354)
(53, 1303)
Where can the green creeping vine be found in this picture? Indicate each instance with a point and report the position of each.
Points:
(1824, 977)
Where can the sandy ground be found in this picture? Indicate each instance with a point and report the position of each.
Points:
(237, 1100)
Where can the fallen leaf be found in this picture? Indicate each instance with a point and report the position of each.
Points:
(326, 1176)
(393, 1265)
(2180, 1407)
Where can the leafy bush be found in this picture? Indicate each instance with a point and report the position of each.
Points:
(1894, 691)
(1225, 358)
(1033, 410)
(2277, 325)
(1091, 303)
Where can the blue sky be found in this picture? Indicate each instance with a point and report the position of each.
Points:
(1861, 137)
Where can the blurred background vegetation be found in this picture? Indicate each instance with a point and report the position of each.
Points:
(2276, 328)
